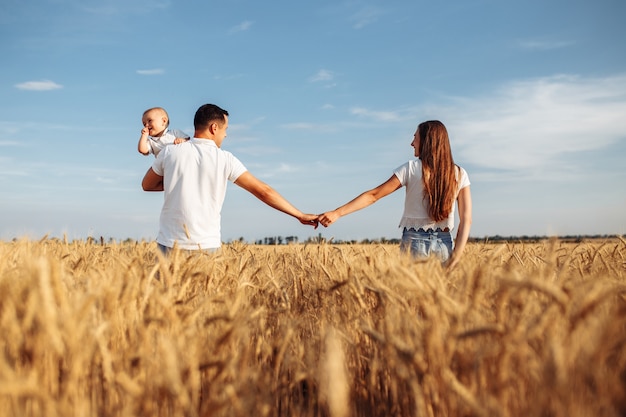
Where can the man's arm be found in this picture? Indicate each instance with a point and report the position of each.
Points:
(152, 181)
(272, 198)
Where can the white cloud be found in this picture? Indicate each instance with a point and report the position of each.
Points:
(544, 45)
(535, 125)
(242, 27)
(154, 71)
(314, 127)
(299, 126)
(382, 116)
(105, 180)
(120, 7)
(276, 170)
(228, 77)
(283, 168)
(365, 16)
(322, 75)
(43, 85)
(11, 166)
(247, 146)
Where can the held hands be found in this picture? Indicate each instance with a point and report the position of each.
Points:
(325, 219)
(309, 220)
(328, 218)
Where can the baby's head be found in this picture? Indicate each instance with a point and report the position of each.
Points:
(156, 120)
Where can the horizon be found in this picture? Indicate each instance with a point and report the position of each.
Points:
(319, 239)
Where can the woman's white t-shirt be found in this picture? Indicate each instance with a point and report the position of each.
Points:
(415, 206)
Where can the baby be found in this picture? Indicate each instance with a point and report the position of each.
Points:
(156, 133)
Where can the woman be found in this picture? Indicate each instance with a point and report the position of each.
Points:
(433, 183)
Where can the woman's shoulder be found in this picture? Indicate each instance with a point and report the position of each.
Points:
(411, 163)
(411, 166)
(462, 176)
(460, 169)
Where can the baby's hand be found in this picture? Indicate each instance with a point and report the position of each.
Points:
(179, 140)
(144, 131)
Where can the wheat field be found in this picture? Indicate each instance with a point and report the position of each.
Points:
(115, 329)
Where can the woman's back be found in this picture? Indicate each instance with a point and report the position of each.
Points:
(416, 205)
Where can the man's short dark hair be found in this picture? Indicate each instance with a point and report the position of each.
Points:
(207, 114)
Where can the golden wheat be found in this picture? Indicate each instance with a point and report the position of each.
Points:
(116, 329)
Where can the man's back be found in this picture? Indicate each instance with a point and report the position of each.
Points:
(195, 177)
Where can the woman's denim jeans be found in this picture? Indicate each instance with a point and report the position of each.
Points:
(423, 244)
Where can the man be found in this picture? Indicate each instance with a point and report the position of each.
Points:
(194, 176)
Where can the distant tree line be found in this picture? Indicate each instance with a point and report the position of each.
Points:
(275, 240)
(280, 240)
(537, 238)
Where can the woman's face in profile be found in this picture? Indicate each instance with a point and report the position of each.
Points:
(416, 142)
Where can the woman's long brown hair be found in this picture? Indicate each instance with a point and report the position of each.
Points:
(438, 169)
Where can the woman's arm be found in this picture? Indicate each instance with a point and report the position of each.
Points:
(363, 200)
(465, 222)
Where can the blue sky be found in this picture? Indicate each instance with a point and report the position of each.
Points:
(324, 99)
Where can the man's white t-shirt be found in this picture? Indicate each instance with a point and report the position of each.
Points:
(195, 175)
(415, 206)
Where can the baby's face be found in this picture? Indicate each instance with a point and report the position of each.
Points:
(156, 122)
